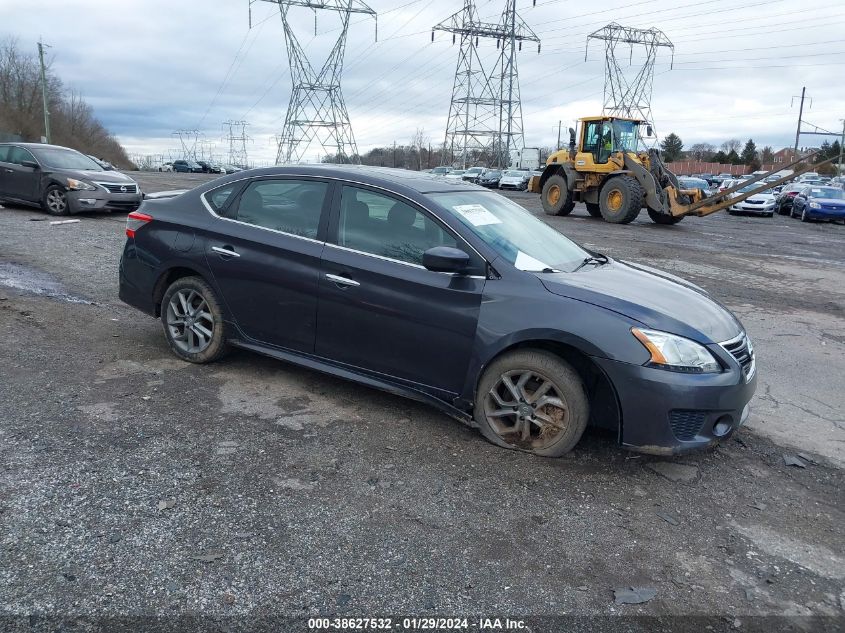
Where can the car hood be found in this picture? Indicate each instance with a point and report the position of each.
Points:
(762, 197)
(831, 202)
(94, 176)
(656, 299)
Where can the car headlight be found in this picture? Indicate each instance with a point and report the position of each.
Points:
(78, 185)
(815, 205)
(676, 353)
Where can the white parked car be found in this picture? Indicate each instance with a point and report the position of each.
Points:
(456, 175)
(758, 204)
(515, 180)
(166, 167)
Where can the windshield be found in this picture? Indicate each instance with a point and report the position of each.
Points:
(625, 135)
(523, 240)
(756, 185)
(58, 158)
(475, 170)
(493, 174)
(828, 192)
(457, 172)
(440, 170)
(693, 183)
(512, 174)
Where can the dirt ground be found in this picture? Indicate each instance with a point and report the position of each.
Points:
(134, 485)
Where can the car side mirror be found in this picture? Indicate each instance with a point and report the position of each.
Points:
(445, 259)
(29, 163)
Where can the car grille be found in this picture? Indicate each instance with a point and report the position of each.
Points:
(116, 187)
(122, 205)
(754, 202)
(685, 423)
(743, 351)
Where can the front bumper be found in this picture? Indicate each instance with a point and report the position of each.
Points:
(80, 201)
(667, 413)
(757, 209)
(825, 214)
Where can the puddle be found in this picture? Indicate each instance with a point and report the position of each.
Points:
(35, 282)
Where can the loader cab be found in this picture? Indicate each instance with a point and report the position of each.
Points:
(603, 136)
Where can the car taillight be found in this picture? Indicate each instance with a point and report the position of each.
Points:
(135, 221)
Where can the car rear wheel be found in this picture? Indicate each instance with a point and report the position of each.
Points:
(556, 196)
(193, 321)
(531, 400)
(55, 201)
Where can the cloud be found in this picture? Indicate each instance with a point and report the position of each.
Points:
(149, 67)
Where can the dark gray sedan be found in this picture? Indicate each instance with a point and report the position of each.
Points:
(445, 293)
(62, 181)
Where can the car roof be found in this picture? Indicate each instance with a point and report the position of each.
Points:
(39, 146)
(420, 182)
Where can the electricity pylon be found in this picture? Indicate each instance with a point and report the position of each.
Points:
(188, 140)
(317, 112)
(237, 137)
(485, 114)
(628, 88)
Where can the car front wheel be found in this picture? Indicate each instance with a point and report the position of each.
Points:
(532, 400)
(55, 201)
(193, 321)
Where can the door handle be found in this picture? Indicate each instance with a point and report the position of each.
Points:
(228, 252)
(342, 281)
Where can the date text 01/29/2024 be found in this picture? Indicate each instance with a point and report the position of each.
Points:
(415, 624)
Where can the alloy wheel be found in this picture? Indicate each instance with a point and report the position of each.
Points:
(189, 321)
(56, 201)
(526, 409)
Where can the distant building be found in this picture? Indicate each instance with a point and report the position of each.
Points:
(787, 155)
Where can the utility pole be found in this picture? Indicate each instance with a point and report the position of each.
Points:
(394, 154)
(841, 143)
(485, 114)
(316, 111)
(628, 87)
(559, 124)
(800, 117)
(41, 46)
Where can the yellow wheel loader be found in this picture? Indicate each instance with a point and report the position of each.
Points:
(605, 171)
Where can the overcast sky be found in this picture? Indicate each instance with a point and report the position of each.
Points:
(149, 67)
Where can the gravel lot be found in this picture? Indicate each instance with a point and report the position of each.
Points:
(136, 485)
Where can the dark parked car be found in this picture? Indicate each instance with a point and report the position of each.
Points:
(61, 180)
(444, 293)
(209, 167)
(187, 166)
(819, 203)
(490, 178)
(783, 204)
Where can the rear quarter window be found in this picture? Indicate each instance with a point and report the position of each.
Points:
(218, 198)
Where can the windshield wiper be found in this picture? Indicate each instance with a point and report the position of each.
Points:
(598, 259)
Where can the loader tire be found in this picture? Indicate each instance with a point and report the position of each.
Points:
(664, 218)
(593, 209)
(556, 196)
(621, 199)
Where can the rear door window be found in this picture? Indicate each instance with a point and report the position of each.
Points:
(288, 206)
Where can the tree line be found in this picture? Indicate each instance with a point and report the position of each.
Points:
(72, 120)
(728, 153)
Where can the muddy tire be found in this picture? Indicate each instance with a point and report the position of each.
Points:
(663, 218)
(533, 401)
(593, 209)
(193, 321)
(55, 201)
(621, 199)
(556, 196)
